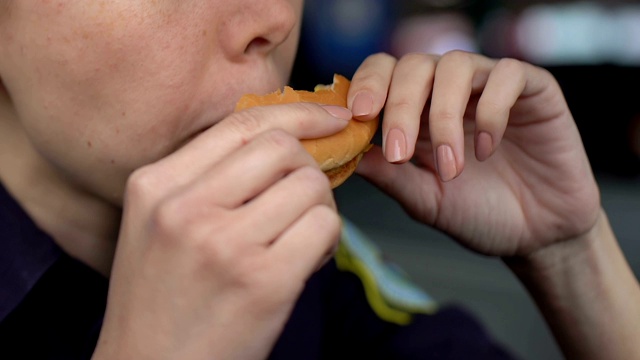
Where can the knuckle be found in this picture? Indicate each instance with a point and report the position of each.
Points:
(444, 116)
(282, 144)
(179, 219)
(417, 59)
(169, 219)
(331, 222)
(215, 252)
(245, 122)
(316, 180)
(458, 56)
(143, 183)
(369, 72)
(399, 104)
(511, 65)
(300, 115)
(380, 56)
(211, 241)
(283, 139)
(488, 108)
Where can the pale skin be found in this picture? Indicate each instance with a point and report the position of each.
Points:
(109, 108)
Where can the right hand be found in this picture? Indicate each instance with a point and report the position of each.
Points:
(501, 128)
(219, 238)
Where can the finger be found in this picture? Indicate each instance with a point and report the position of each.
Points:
(250, 170)
(370, 85)
(283, 204)
(301, 120)
(504, 86)
(305, 245)
(457, 72)
(410, 87)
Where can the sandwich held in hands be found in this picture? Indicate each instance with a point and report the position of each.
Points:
(338, 154)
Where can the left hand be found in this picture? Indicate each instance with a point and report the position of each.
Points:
(496, 158)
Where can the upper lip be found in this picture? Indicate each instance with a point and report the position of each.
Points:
(220, 110)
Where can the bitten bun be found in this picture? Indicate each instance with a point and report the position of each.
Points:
(338, 155)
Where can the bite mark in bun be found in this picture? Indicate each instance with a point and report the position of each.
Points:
(337, 155)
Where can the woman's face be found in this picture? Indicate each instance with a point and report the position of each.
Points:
(104, 87)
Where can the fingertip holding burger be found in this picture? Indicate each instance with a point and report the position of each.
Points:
(337, 155)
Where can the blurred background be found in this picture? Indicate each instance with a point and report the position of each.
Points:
(592, 47)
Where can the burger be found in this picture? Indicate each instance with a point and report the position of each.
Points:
(337, 155)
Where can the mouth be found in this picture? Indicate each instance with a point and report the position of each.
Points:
(223, 107)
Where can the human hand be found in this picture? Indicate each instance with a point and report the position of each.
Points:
(219, 238)
(485, 150)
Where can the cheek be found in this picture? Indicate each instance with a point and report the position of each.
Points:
(102, 92)
(109, 73)
(105, 97)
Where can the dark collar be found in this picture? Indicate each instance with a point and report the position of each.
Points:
(26, 253)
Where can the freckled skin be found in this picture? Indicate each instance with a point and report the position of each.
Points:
(83, 72)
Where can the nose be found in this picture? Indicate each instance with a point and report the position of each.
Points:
(256, 27)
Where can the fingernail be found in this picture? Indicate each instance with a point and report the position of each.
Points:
(362, 104)
(338, 112)
(395, 146)
(484, 146)
(446, 163)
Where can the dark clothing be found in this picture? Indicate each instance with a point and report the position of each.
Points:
(51, 307)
